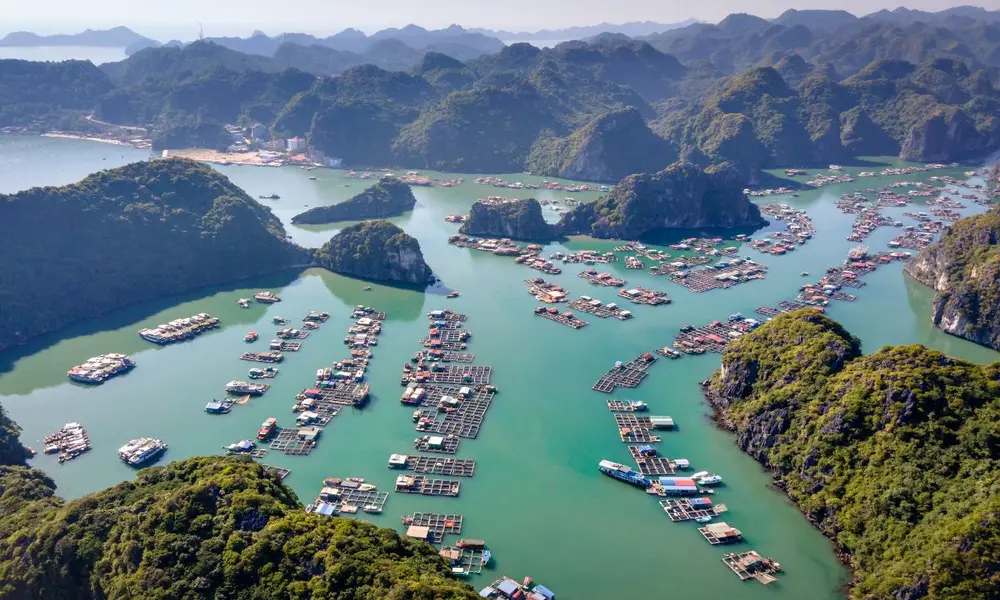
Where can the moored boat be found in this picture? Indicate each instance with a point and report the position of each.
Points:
(140, 451)
(267, 428)
(623, 473)
(266, 297)
(251, 336)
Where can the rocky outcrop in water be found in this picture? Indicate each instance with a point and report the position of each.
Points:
(681, 196)
(377, 251)
(964, 269)
(514, 219)
(389, 197)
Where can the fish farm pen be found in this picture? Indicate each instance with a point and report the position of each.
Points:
(334, 501)
(648, 463)
(563, 318)
(442, 356)
(601, 311)
(281, 472)
(418, 484)
(643, 422)
(290, 440)
(467, 560)
(751, 565)
(601, 279)
(680, 264)
(625, 406)
(438, 525)
(263, 357)
(638, 295)
(334, 395)
(716, 278)
(628, 375)
(463, 421)
(440, 444)
(456, 375)
(690, 509)
(434, 465)
(285, 346)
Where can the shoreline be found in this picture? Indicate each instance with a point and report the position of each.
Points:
(88, 138)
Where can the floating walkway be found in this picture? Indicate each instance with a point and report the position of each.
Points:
(436, 525)
(434, 465)
(648, 463)
(453, 374)
(626, 406)
(295, 441)
(628, 375)
(418, 484)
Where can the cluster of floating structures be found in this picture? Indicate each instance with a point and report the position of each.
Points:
(702, 246)
(98, 369)
(544, 291)
(602, 311)
(679, 264)
(500, 182)
(506, 588)
(638, 295)
(715, 336)
(566, 318)
(69, 442)
(799, 229)
(524, 255)
(721, 275)
(585, 257)
(179, 330)
(346, 497)
(601, 279)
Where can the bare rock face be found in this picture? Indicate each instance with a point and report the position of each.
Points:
(963, 268)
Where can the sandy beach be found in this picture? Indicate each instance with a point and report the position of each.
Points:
(214, 156)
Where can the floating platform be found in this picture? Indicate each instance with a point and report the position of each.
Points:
(628, 375)
(601, 311)
(464, 421)
(690, 509)
(440, 444)
(446, 315)
(720, 533)
(638, 295)
(438, 525)
(418, 484)
(563, 318)
(281, 472)
(651, 465)
(434, 465)
(626, 406)
(287, 440)
(463, 561)
(285, 346)
(717, 278)
(455, 375)
(335, 500)
(263, 357)
(751, 565)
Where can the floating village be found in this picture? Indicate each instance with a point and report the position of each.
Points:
(447, 395)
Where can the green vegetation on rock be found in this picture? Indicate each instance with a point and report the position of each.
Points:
(126, 235)
(893, 455)
(682, 196)
(514, 219)
(390, 197)
(202, 528)
(608, 148)
(39, 94)
(375, 250)
(964, 268)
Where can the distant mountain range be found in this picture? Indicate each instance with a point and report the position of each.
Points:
(632, 29)
(116, 37)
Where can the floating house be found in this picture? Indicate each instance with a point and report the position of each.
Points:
(678, 486)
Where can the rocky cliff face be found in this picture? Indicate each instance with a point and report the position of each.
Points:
(389, 197)
(377, 251)
(606, 149)
(681, 196)
(946, 135)
(964, 268)
(515, 219)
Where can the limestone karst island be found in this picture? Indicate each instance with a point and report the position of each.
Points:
(517, 301)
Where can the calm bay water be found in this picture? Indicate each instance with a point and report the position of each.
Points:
(537, 496)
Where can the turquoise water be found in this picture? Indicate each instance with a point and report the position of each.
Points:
(537, 496)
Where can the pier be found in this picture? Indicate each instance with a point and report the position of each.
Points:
(628, 375)
(437, 443)
(434, 526)
(601, 311)
(434, 465)
(691, 509)
(418, 484)
(563, 318)
(639, 295)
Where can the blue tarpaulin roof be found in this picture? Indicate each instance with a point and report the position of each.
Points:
(507, 587)
(541, 589)
(486, 592)
(326, 509)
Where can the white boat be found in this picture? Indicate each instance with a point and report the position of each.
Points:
(706, 478)
(141, 450)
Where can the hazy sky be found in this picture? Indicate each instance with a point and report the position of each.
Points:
(180, 18)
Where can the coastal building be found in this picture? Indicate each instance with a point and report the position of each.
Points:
(296, 144)
(274, 145)
(235, 133)
(259, 133)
